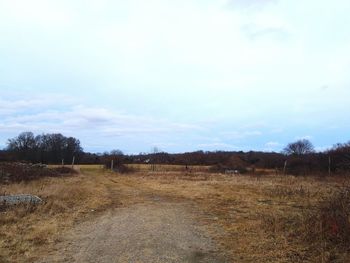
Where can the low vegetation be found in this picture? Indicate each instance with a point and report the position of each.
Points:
(327, 227)
(29, 231)
(253, 218)
(18, 172)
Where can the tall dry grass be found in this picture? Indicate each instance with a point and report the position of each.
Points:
(28, 231)
(256, 218)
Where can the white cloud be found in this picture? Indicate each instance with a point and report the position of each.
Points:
(26, 102)
(217, 146)
(164, 66)
(256, 4)
(242, 134)
(107, 122)
(322, 148)
(272, 146)
(39, 13)
(86, 121)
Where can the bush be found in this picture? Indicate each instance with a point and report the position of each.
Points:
(65, 170)
(18, 172)
(119, 167)
(122, 168)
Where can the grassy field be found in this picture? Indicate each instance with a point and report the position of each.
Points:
(254, 219)
(168, 168)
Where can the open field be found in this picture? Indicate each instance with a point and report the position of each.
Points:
(168, 168)
(247, 218)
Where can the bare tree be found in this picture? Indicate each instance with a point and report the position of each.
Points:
(117, 153)
(48, 148)
(299, 147)
(300, 160)
(24, 146)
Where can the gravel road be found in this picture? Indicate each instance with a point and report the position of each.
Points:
(149, 232)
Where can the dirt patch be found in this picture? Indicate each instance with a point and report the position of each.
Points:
(150, 232)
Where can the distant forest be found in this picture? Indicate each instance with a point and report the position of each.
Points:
(298, 158)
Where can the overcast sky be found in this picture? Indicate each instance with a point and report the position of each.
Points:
(180, 75)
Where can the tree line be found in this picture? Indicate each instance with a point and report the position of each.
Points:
(299, 157)
(44, 148)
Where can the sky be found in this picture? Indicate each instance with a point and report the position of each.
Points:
(180, 75)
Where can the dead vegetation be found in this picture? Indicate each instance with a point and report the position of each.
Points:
(253, 218)
(18, 172)
(266, 219)
(169, 168)
(326, 227)
(29, 231)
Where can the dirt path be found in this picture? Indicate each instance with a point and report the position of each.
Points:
(157, 231)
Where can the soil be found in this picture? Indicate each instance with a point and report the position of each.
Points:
(156, 231)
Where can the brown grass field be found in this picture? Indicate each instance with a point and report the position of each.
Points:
(168, 168)
(252, 218)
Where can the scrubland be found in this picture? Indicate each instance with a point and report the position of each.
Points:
(252, 218)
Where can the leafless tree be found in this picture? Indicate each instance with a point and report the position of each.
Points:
(46, 148)
(299, 147)
(24, 146)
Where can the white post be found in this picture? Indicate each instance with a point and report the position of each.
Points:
(73, 162)
(62, 162)
(112, 165)
(284, 168)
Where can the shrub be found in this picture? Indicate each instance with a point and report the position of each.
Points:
(330, 222)
(119, 167)
(65, 170)
(18, 172)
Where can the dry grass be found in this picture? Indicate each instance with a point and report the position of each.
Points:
(168, 168)
(27, 231)
(255, 219)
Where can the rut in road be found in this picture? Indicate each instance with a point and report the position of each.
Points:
(148, 232)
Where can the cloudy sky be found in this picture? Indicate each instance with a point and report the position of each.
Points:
(180, 75)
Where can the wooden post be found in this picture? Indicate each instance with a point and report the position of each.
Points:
(73, 162)
(329, 165)
(62, 162)
(112, 165)
(285, 167)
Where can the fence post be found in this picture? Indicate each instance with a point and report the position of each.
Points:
(112, 164)
(73, 162)
(285, 167)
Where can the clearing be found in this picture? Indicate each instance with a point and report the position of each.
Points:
(100, 216)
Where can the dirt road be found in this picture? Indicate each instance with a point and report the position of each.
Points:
(157, 231)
